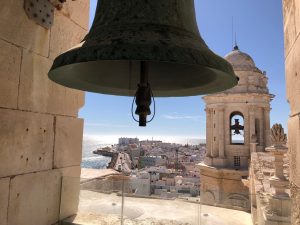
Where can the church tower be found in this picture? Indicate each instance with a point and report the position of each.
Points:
(237, 122)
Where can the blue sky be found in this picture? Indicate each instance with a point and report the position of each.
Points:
(259, 29)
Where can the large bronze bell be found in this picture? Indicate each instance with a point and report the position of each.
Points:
(160, 34)
(163, 33)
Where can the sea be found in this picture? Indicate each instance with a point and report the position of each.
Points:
(93, 142)
(91, 160)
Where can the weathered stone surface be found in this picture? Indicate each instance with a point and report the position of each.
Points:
(70, 191)
(292, 52)
(294, 149)
(65, 34)
(17, 28)
(297, 16)
(224, 187)
(26, 141)
(32, 193)
(10, 62)
(68, 142)
(72, 171)
(4, 192)
(295, 196)
(39, 94)
(78, 11)
(293, 78)
(35, 198)
(289, 24)
(269, 207)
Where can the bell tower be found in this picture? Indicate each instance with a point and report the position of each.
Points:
(237, 123)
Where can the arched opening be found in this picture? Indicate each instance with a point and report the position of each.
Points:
(237, 128)
(238, 200)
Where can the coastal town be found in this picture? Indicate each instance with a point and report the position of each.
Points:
(155, 168)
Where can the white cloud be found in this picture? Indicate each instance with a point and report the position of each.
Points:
(181, 117)
(106, 125)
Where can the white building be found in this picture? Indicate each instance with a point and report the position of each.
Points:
(140, 184)
(127, 141)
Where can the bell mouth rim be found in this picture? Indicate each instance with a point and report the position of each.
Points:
(75, 81)
(192, 55)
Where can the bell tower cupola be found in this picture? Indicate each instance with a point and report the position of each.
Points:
(237, 123)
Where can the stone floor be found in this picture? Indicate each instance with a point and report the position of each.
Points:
(97, 208)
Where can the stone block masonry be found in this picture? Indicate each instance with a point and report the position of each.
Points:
(38, 94)
(28, 147)
(291, 11)
(4, 196)
(40, 134)
(10, 61)
(34, 198)
(67, 151)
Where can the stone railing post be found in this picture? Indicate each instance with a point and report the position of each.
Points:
(279, 204)
(278, 149)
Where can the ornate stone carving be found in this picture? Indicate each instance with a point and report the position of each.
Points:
(278, 149)
(278, 137)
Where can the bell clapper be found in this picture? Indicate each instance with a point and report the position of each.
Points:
(143, 96)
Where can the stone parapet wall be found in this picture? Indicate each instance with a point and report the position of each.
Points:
(291, 11)
(40, 134)
(224, 188)
(265, 208)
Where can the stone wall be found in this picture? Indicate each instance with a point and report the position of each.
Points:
(40, 134)
(224, 187)
(266, 207)
(291, 11)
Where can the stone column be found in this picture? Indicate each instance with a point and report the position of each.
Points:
(267, 126)
(251, 121)
(221, 131)
(252, 135)
(215, 138)
(261, 127)
(247, 137)
(208, 132)
(253, 147)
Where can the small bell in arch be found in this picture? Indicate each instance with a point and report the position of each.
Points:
(237, 128)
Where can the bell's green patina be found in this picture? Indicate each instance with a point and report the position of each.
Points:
(163, 33)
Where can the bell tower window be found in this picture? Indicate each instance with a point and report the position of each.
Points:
(237, 128)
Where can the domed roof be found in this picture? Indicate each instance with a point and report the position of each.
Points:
(240, 60)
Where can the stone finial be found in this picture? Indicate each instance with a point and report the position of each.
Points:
(278, 181)
(278, 137)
